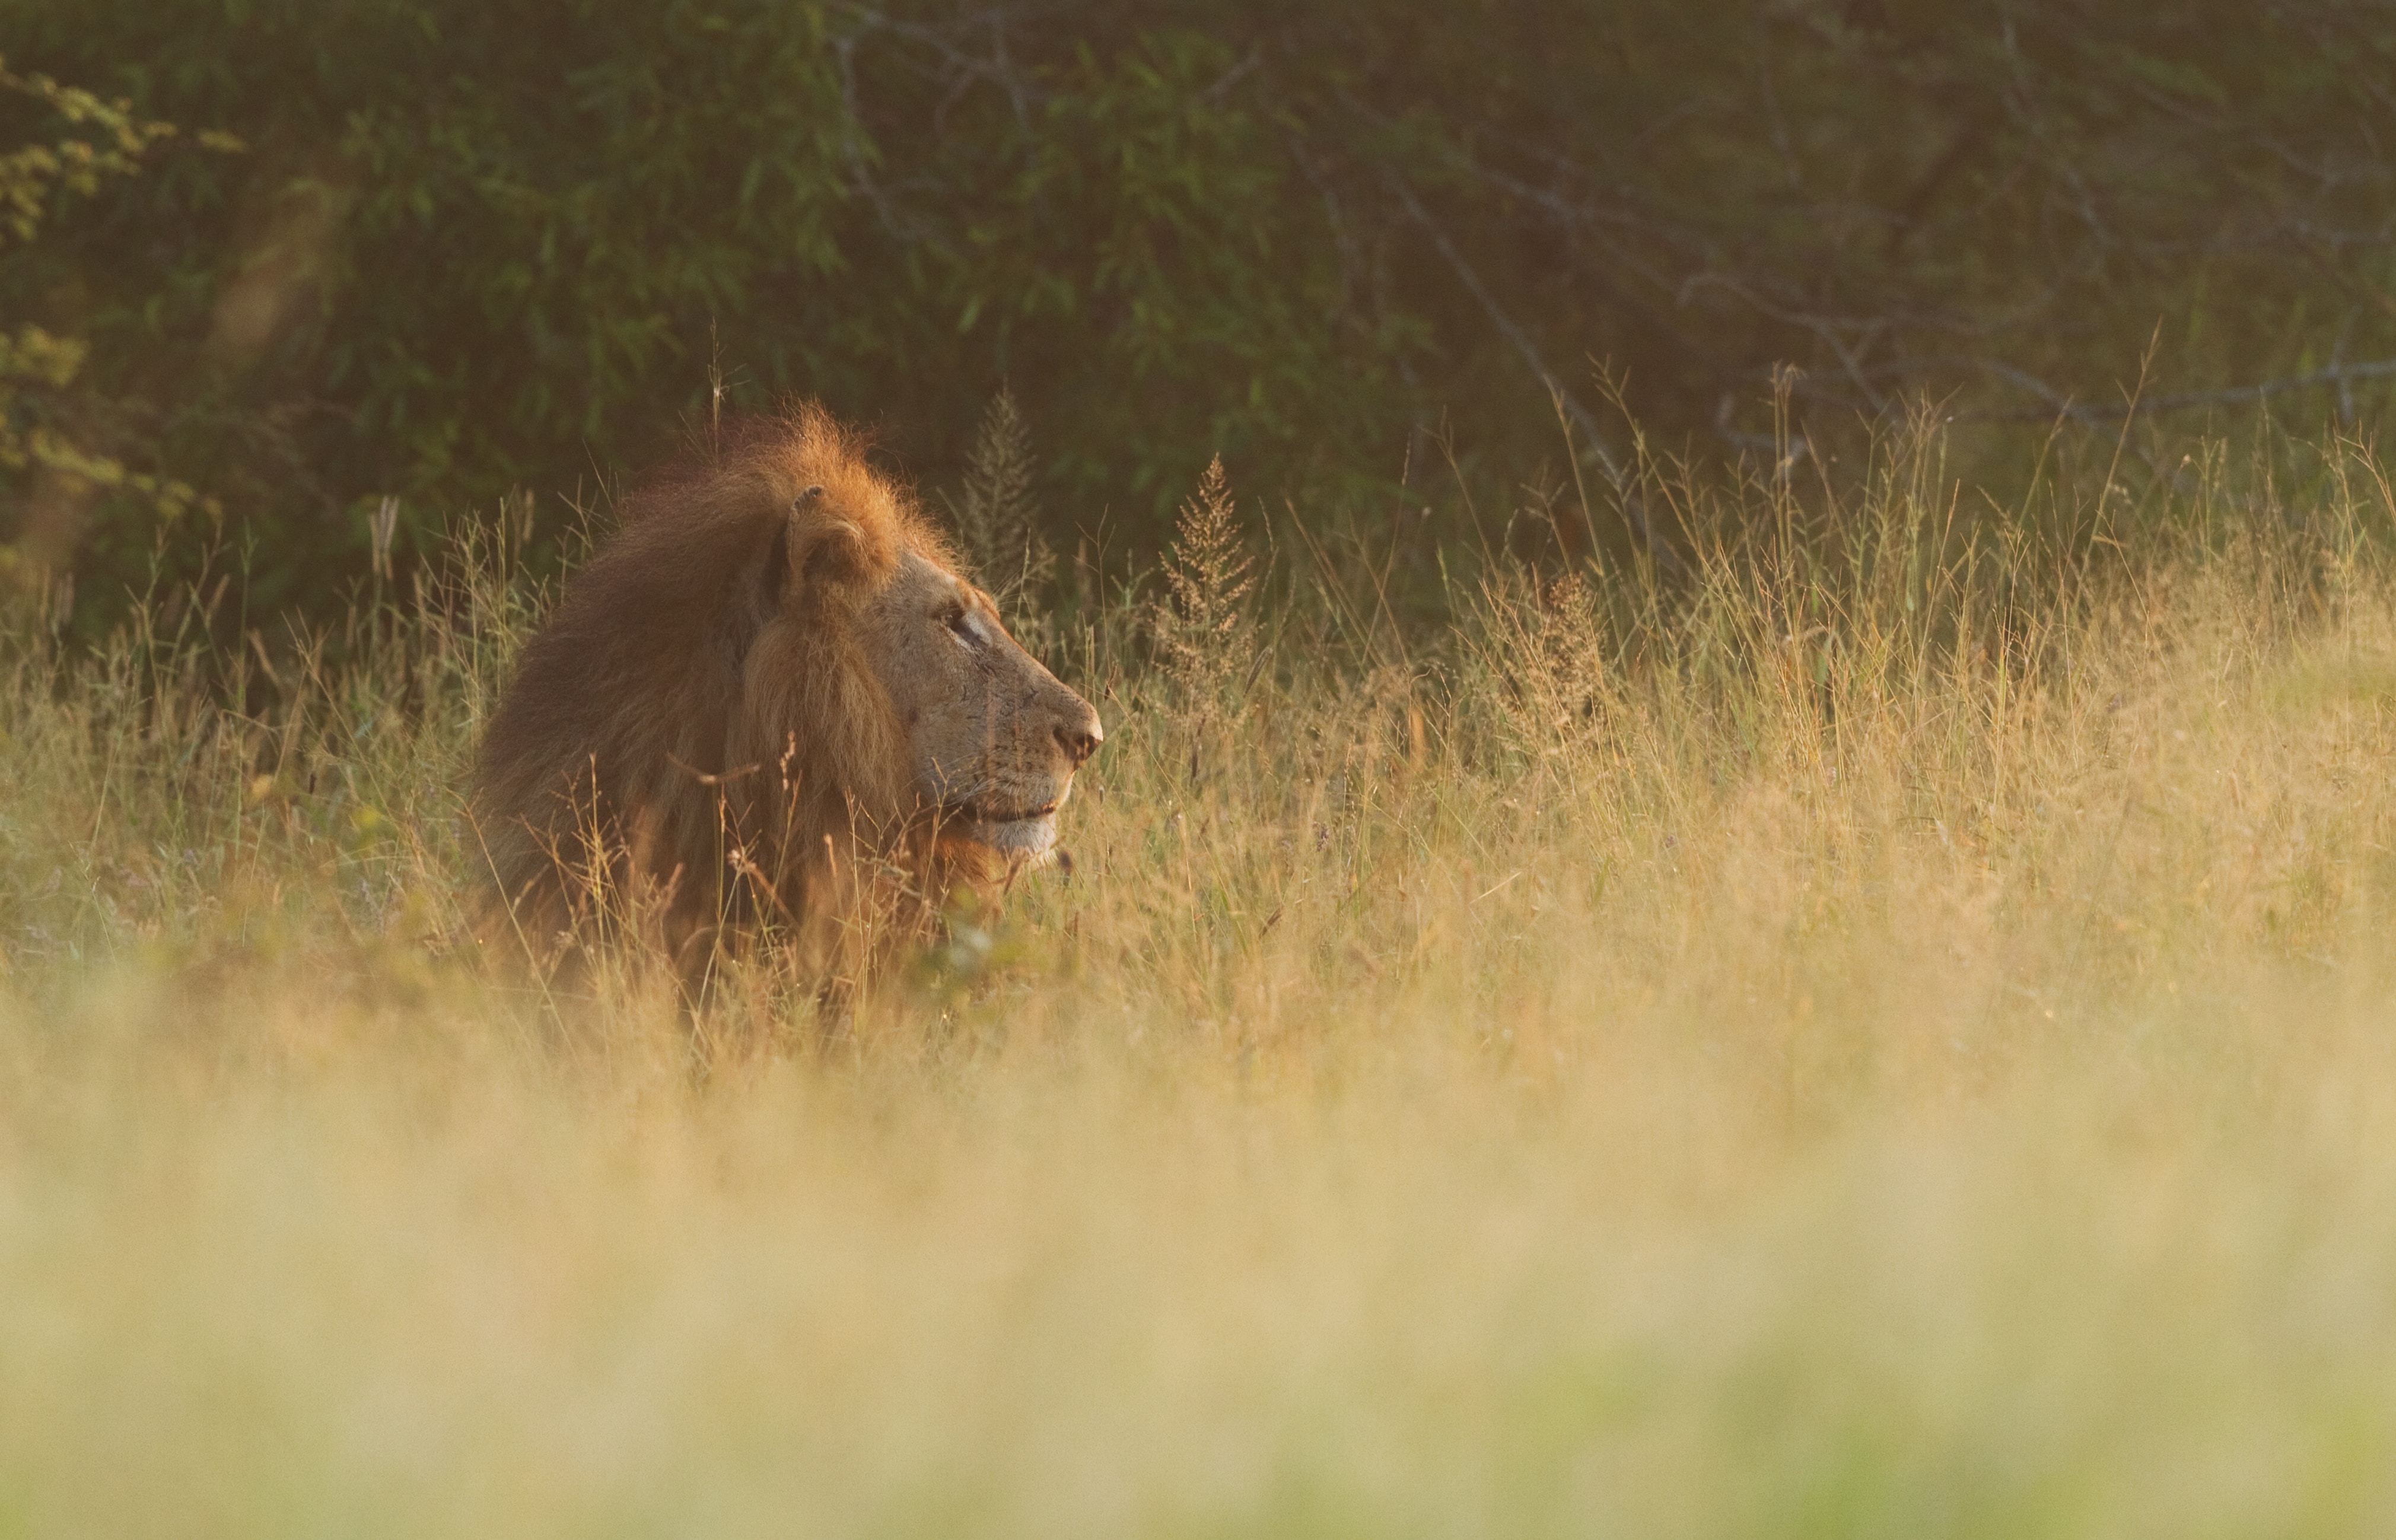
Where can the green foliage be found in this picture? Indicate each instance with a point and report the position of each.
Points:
(475, 248)
(47, 458)
(106, 139)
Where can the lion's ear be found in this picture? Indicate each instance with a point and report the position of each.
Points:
(804, 556)
(827, 553)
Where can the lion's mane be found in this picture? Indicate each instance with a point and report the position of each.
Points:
(635, 768)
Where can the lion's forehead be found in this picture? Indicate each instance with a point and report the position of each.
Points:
(922, 581)
(914, 619)
(915, 564)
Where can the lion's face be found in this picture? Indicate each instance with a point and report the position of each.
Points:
(994, 737)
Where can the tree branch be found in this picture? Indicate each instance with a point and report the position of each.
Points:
(1635, 506)
(2340, 374)
(1505, 324)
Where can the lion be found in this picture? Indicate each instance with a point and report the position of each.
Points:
(770, 702)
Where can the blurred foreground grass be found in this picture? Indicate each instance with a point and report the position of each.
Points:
(1895, 1040)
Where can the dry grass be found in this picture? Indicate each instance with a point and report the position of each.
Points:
(1896, 1041)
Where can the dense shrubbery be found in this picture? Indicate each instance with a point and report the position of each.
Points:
(467, 248)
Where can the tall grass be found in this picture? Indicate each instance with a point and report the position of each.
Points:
(1883, 1032)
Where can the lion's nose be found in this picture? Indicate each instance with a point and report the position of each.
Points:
(1080, 735)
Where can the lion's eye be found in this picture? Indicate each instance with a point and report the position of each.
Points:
(954, 619)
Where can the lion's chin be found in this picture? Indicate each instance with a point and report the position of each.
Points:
(1019, 840)
(1016, 828)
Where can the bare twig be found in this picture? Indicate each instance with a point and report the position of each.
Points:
(703, 779)
(1505, 324)
(1635, 506)
(853, 144)
(2341, 376)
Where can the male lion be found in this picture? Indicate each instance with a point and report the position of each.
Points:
(769, 698)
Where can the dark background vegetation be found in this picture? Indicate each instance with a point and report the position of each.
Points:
(461, 248)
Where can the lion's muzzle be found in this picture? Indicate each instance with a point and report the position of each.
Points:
(1080, 737)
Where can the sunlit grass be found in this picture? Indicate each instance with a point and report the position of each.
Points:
(1891, 1036)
